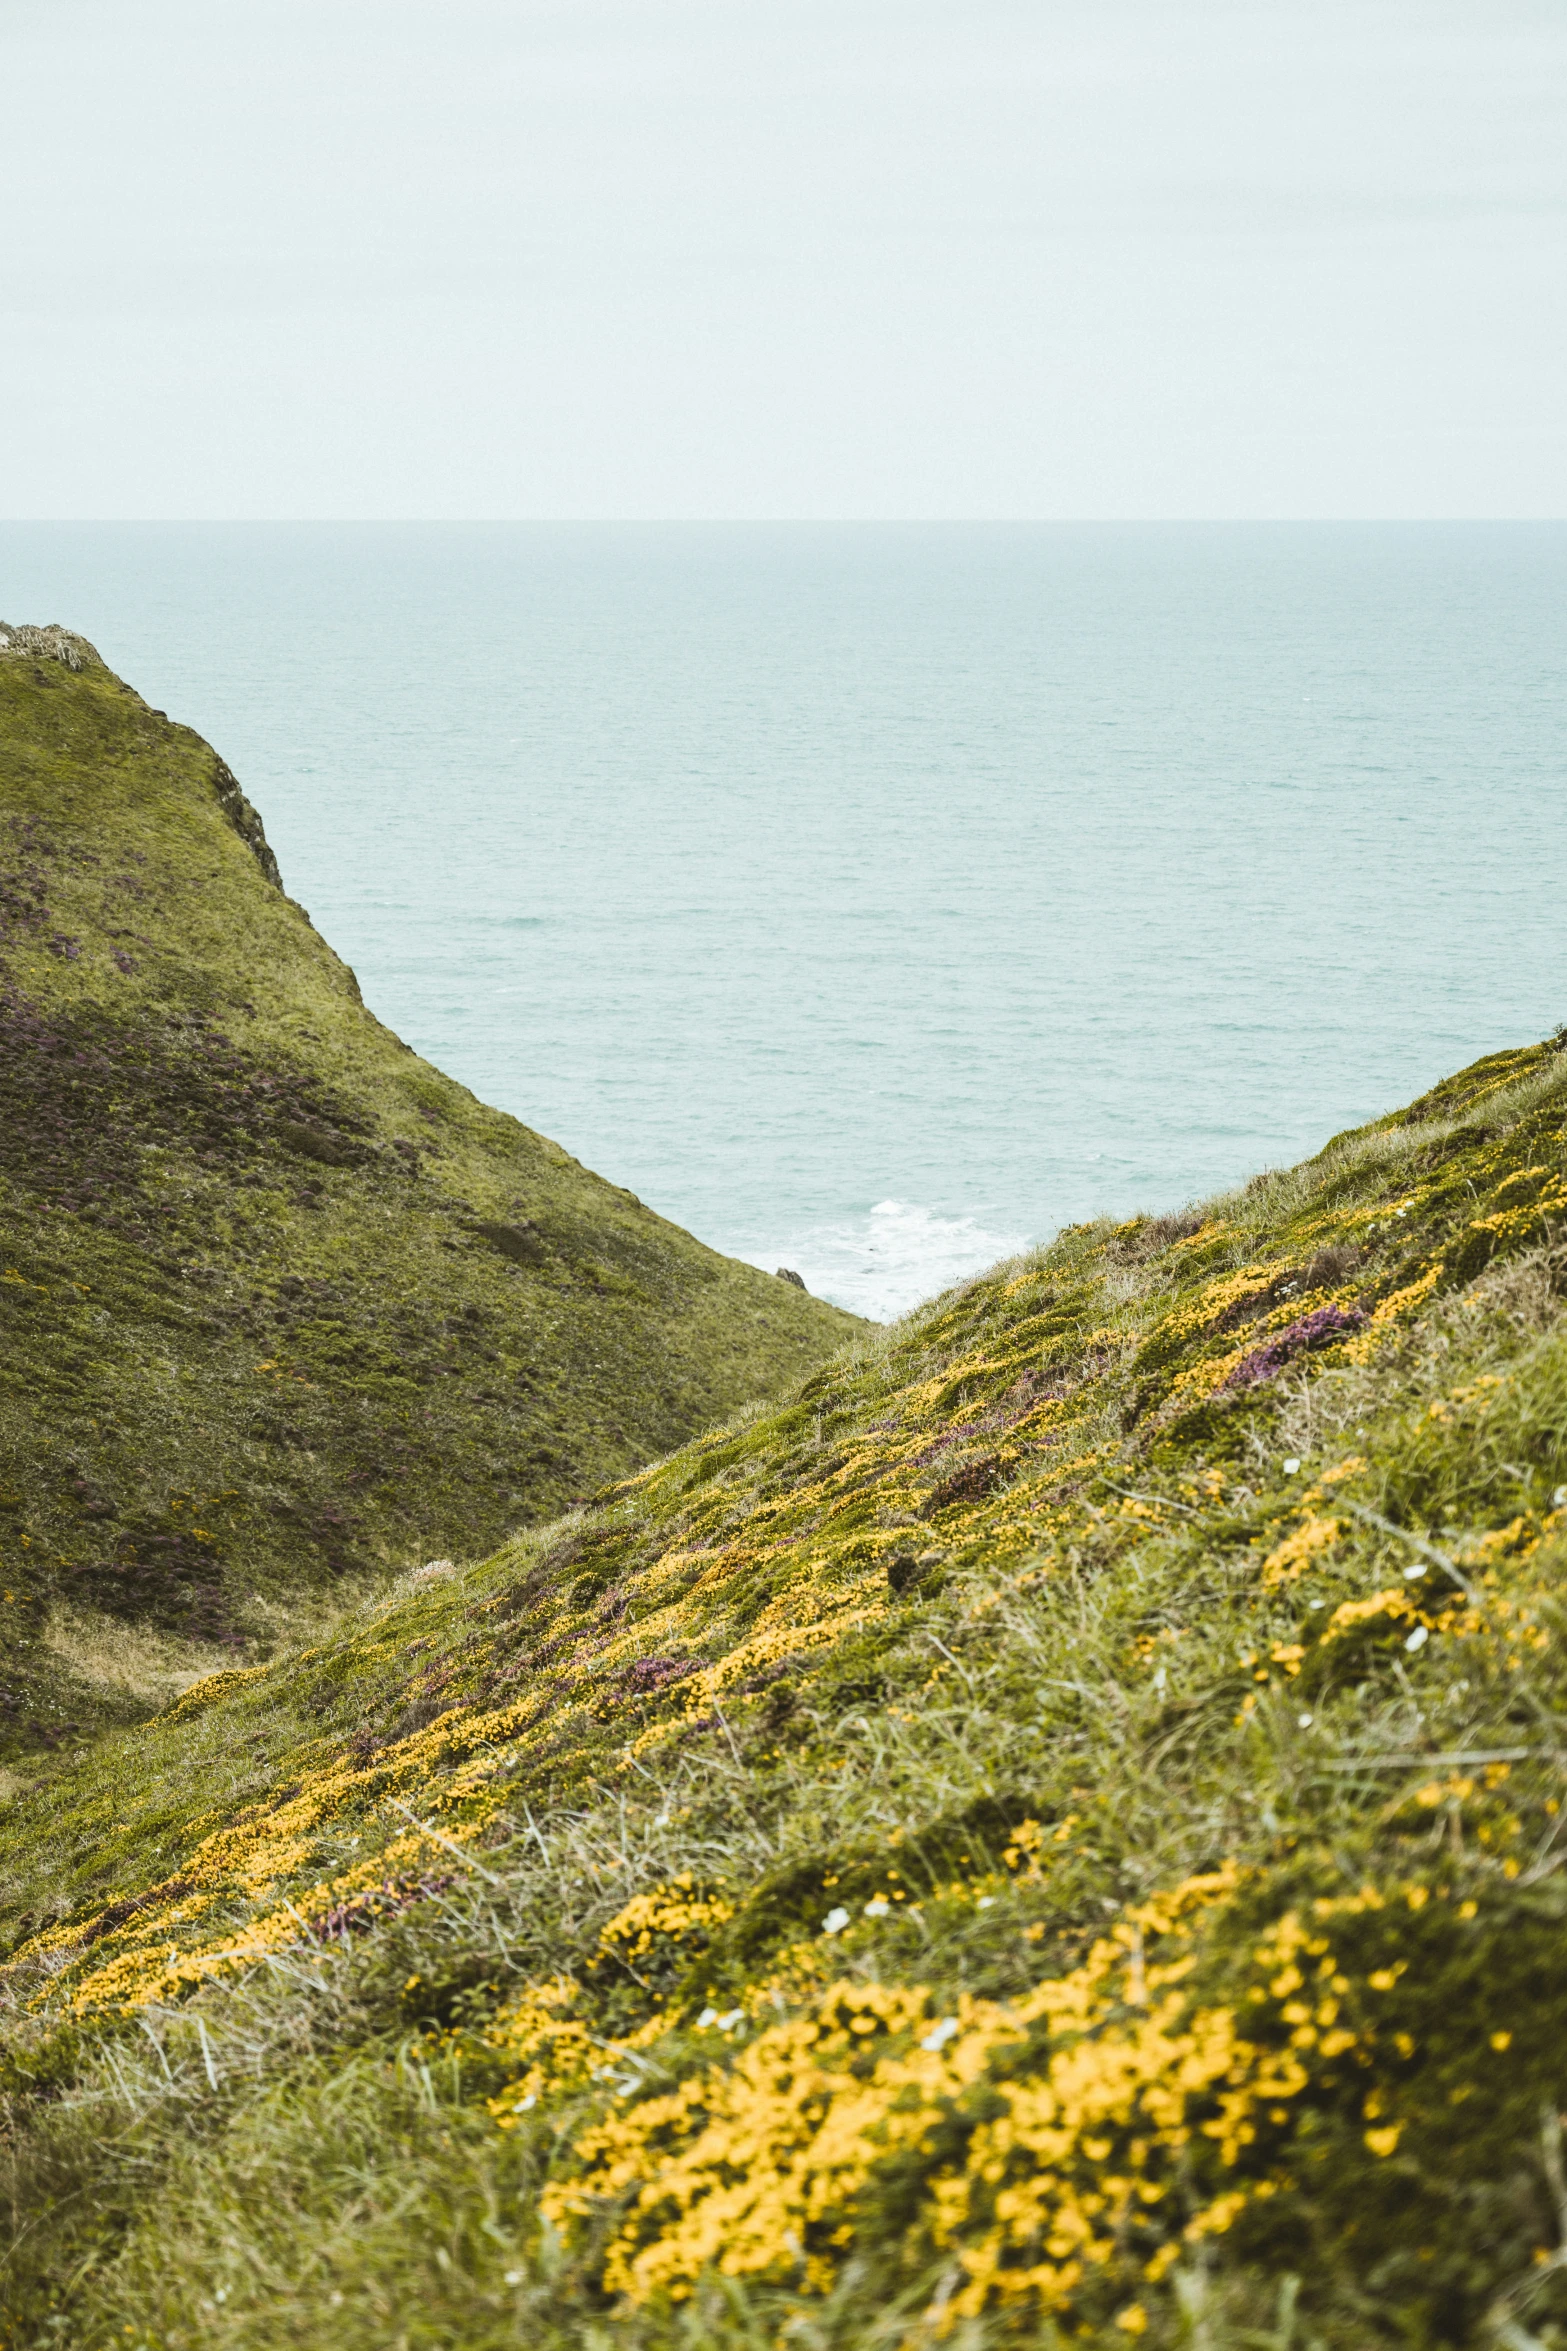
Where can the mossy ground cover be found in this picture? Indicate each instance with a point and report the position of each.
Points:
(281, 1307)
(1052, 1833)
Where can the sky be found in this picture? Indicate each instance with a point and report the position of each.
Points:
(804, 259)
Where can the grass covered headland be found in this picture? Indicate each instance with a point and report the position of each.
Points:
(280, 1304)
(1051, 1834)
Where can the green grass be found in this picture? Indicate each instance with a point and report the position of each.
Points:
(283, 1310)
(1050, 1833)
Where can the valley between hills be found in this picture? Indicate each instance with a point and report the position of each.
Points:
(1040, 1824)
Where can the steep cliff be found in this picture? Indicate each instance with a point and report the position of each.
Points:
(279, 1303)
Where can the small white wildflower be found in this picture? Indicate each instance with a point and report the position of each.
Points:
(878, 1906)
(531, 2099)
(1559, 1498)
(726, 2024)
(1305, 1721)
(939, 2035)
(835, 1921)
(220, 2293)
(985, 1902)
(1159, 1681)
(707, 2017)
(1419, 1637)
(1412, 1575)
(1291, 1465)
(1316, 1604)
(514, 2277)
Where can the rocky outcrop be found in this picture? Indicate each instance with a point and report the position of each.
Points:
(243, 817)
(49, 644)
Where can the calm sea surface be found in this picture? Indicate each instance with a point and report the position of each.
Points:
(873, 900)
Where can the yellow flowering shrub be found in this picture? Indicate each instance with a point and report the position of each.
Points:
(1059, 2151)
(764, 2166)
(1392, 1310)
(661, 1931)
(1285, 1562)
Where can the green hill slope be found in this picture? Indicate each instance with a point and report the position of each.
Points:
(1054, 1832)
(279, 1303)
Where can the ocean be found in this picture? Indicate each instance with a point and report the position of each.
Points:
(875, 899)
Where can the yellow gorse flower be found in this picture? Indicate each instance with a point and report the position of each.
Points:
(1078, 2107)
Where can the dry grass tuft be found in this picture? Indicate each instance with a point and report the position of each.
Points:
(129, 1660)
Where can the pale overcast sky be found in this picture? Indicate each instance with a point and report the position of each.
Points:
(781, 258)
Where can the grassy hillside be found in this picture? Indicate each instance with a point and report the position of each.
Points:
(279, 1303)
(1053, 1833)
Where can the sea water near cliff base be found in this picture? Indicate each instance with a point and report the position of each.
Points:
(875, 899)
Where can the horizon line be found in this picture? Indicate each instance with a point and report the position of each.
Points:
(781, 521)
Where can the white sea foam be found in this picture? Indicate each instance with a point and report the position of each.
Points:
(889, 1259)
